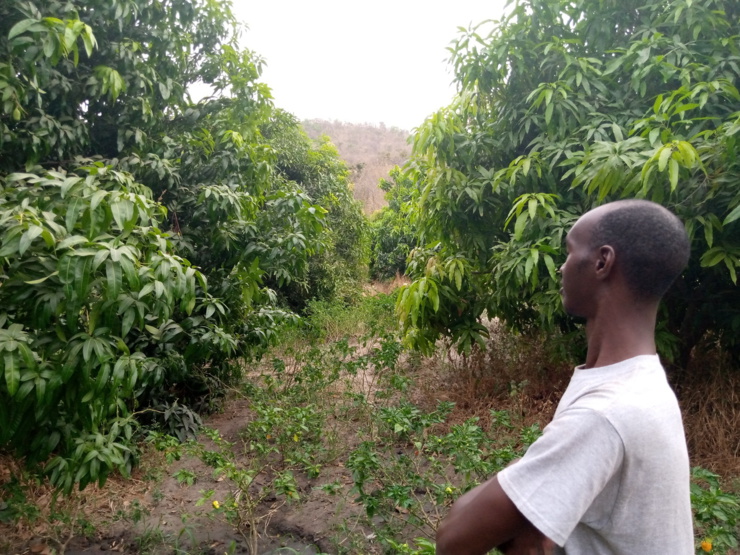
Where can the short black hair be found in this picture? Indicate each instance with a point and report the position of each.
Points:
(651, 245)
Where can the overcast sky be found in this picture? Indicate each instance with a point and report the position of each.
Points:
(356, 60)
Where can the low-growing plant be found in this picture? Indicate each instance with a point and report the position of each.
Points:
(178, 420)
(185, 477)
(14, 504)
(134, 513)
(716, 513)
(410, 481)
(169, 445)
(277, 483)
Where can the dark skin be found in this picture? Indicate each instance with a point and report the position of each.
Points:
(618, 327)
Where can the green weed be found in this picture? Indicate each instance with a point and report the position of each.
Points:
(716, 513)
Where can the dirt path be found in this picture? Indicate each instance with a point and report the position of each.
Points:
(175, 523)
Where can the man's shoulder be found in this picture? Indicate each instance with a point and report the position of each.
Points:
(636, 404)
(633, 385)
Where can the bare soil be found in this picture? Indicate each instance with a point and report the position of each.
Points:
(170, 514)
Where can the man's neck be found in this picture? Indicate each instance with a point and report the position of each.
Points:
(620, 336)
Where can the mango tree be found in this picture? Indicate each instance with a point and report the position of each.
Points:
(563, 106)
(138, 229)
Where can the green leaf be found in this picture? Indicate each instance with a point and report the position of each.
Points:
(128, 321)
(732, 216)
(673, 174)
(76, 206)
(520, 225)
(82, 276)
(550, 263)
(40, 385)
(21, 27)
(99, 258)
(148, 288)
(114, 275)
(132, 277)
(709, 234)
(665, 154)
(12, 372)
(731, 268)
(72, 241)
(97, 198)
(28, 237)
(433, 295)
(66, 268)
(713, 257)
(123, 212)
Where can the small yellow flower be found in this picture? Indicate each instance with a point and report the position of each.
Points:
(295, 437)
(216, 504)
(448, 490)
(706, 545)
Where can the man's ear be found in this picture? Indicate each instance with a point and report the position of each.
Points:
(605, 261)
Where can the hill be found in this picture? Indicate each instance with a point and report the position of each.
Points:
(370, 151)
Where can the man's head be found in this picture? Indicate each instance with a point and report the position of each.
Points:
(648, 246)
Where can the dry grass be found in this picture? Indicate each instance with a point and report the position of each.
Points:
(386, 287)
(517, 374)
(709, 395)
(52, 520)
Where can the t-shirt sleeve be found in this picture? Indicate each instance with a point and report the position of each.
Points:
(563, 472)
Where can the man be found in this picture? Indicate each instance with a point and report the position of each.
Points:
(610, 473)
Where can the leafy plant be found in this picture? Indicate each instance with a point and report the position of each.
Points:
(179, 421)
(716, 513)
(142, 235)
(393, 229)
(185, 477)
(563, 106)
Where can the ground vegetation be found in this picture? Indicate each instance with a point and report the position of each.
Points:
(342, 441)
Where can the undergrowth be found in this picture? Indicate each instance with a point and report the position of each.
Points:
(341, 410)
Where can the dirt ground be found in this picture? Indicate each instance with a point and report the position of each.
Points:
(169, 513)
(153, 513)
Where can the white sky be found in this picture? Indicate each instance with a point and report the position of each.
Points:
(359, 61)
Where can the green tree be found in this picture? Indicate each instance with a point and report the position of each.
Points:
(315, 167)
(563, 106)
(392, 228)
(137, 228)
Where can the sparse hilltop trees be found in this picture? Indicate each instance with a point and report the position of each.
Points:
(139, 231)
(562, 106)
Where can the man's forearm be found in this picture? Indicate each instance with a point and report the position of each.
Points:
(480, 520)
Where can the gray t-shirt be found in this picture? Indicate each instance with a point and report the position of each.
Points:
(610, 473)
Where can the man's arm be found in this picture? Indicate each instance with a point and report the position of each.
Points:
(482, 519)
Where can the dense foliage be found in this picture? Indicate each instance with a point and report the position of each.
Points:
(316, 166)
(393, 236)
(563, 106)
(144, 238)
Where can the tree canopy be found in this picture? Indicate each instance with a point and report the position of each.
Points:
(563, 106)
(145, 239)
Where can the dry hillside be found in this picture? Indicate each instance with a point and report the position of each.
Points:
(370, 151)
